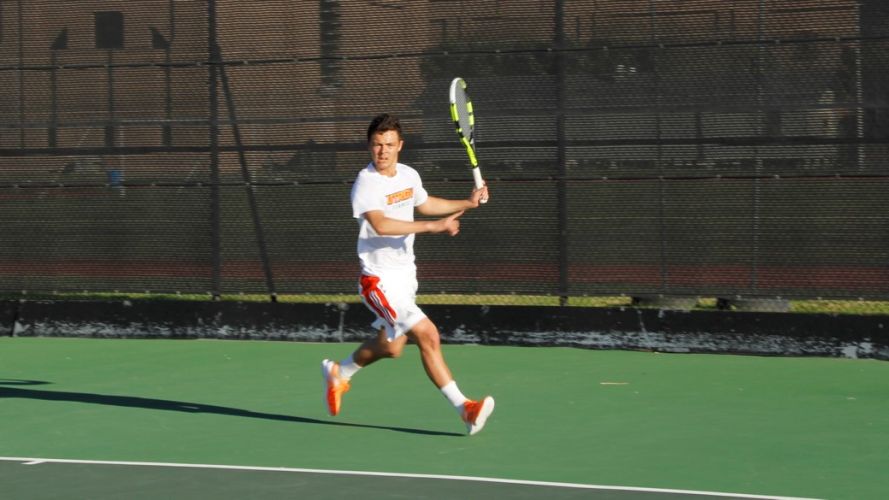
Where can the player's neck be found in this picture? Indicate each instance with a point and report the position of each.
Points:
(388, 171)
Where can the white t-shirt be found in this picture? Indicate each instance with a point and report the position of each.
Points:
(396, 196)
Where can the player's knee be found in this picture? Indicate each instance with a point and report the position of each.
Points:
(385, 348)
(392, 350)
(426, 335)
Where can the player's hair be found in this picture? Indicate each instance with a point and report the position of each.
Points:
(383, 123)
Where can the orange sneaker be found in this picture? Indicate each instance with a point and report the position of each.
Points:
(476, 413)
(334, 386)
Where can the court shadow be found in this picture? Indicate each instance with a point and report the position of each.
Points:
(13, 381)
(17, 391)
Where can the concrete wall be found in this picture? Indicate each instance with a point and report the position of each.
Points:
(729, 332)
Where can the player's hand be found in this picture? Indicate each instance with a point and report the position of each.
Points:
(451, 223)
(479, 196)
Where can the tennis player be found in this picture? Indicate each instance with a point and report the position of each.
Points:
(383, 200)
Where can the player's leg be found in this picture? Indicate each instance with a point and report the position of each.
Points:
(377, 348)
(337, 376)
(428, 340)
(426, 336)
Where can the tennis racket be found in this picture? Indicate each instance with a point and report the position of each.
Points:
(464, 121)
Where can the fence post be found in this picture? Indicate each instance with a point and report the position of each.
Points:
(248, 181)
(561, 192)
(213, 97)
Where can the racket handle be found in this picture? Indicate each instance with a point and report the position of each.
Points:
(479, 182)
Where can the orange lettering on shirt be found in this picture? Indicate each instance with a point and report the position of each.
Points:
(405, 194)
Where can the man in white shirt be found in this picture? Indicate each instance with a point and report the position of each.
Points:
(383, 200)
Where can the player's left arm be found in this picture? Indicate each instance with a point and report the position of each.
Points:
(436, 207)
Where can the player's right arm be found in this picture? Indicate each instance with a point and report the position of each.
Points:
(385, 226)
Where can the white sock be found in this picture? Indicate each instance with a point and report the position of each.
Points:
(348, 368)
(452, 392)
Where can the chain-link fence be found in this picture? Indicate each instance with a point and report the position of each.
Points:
(706, 148)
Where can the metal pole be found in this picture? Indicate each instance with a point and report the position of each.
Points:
(213, 97)
(859, 94)
(167, 129)
(251, 195)
(561, 155)
(21, 74)
(659, 163)
(757, 160)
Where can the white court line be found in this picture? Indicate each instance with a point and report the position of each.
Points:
(38, 461)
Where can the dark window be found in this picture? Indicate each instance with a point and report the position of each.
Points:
(330, 43)
(109, 30)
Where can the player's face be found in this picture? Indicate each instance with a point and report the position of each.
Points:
(384, 149)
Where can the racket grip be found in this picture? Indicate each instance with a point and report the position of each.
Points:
(479, 182)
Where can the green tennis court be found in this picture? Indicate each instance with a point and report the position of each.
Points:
(227, 419)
